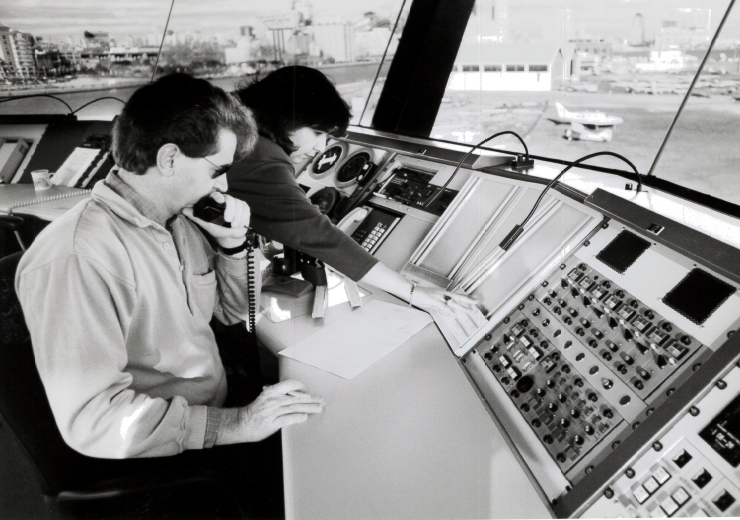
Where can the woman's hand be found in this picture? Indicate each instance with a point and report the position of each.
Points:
(445, 302)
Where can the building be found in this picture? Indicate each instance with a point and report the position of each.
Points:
(521, 66)
(17, 53)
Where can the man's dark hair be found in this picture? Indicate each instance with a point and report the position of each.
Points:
(295, 97)
(181, 110)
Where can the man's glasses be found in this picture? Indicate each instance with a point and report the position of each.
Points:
(220, 170)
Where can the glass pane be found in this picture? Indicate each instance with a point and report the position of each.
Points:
(84, 49)
(575, 77)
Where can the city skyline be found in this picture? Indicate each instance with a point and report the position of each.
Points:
(596, 18)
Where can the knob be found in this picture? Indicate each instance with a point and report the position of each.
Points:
(552, 407)
(557, 311)
(667, 327)
(525, 383)
(598, 313)
(589, 429)
(524, 323)
(642, 348)
(649, 314)
(547, 439)
(628, 334)
(573, 312)
(580, 331)
(593, 343)
(607, 284)
(505, 380)
(575, 413)
(488, 337)
(574, 292)
(578, 439)
(578, 382)
(567, 321)
(547, 301)
(535, 312)
(563, 283)
(545, 322)
(541, 392)
(586, 301)
(566, 369)
(536, 423)
(544, 344)
(607, 356)
(585, 322)
(612, 346)
(686, 340)
(564, 422)
(550, 383)
(620, 293)
(608, 413)
(622, 369)
(593, 397)
(639, 385)
(661, 361)
(562, 397)
(487, 355)
(560, 457)
(607, 383)
(613, 323)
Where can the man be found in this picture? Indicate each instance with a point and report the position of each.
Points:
(118, 293)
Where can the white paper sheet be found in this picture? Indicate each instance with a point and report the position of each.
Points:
(350, 345)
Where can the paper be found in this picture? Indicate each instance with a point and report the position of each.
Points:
(350, 345)
(76, 164)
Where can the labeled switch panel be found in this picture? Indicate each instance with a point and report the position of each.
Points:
(638, 346)
(566, 410)
(580, 357)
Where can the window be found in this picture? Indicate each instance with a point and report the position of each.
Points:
(492, 68)
(471, 68)
(636, 73)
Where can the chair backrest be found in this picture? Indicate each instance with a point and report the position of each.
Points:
(23, 404)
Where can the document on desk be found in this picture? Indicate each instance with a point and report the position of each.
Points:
(349, 345)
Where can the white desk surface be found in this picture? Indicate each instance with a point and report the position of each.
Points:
(406, 438)
(45, 204)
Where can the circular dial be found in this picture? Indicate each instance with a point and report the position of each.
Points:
(354, 168)
(327, 159)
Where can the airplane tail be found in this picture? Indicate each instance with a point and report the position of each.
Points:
(562, 113)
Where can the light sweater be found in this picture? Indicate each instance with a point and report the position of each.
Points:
(119, 310)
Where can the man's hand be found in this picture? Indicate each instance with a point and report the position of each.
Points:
(237, 214)
(279, 405)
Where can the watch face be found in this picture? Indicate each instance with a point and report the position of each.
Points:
(355, 167)
(327, 159)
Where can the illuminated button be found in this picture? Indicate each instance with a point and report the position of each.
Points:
(526, 341)
(669, 506)
(599, 292)
(657, 336)
(625, 313)
(641, 324)
(575, 274)
(517, 330)
(661, 475)
(676, 350)
(651, 485)
(612, 302)
(681, 496)
(640, 494)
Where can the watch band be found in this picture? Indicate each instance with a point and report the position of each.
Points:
(233, 250)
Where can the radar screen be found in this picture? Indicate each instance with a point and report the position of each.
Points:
(355, 169)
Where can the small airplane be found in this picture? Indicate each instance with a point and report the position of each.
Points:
(586, 126)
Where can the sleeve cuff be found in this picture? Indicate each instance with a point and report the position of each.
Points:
(195, 427)
(213, 421)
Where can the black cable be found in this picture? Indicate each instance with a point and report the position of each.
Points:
(382, 60)
(161, 44)
(484, 141)
(507, 242)
(251, 294)
(14, 98)
(95, 101)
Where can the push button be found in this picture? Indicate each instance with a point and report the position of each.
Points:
(640, 494)
(661, 475)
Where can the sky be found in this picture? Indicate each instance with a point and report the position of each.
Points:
(604, 18)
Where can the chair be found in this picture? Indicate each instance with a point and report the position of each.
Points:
(65, 476)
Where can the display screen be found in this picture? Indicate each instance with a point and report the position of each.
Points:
(723, 433)
(698, 295)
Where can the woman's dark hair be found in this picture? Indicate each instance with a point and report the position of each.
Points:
(295, 97)
(181, 110)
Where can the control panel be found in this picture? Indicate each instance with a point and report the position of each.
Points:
(413, 188)
(690, 471)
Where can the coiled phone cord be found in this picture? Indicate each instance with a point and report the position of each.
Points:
(251, 293)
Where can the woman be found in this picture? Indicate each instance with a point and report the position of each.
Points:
(296, 109)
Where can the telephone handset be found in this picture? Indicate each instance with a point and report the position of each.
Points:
(211, 211)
